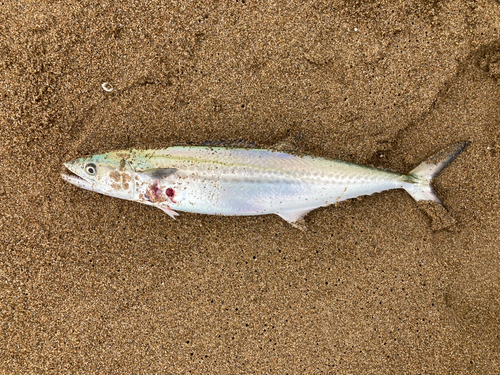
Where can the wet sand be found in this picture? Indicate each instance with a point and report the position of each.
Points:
(92, 284)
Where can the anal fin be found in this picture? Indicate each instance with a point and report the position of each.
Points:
(295, 218)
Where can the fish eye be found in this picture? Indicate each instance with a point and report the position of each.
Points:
(90, 168)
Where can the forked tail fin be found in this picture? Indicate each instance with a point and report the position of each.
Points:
(421, 190)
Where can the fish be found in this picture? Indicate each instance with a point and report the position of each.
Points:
(245, 182)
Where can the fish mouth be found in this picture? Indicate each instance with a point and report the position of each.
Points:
(75, 179)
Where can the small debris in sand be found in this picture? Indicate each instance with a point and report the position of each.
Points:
(106, 86)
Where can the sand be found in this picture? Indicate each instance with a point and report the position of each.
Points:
(92, 284)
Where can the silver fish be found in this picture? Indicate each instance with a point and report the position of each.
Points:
(222, 181)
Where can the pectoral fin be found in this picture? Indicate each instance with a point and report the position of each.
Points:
(159, 173)
(295, 218)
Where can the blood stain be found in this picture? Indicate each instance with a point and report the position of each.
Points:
(154, 193)
(155, 189)
(170, 193)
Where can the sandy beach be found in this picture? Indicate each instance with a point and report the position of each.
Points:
(96, 285)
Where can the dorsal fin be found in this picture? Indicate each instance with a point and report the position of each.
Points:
(239, 143)
(290, 144)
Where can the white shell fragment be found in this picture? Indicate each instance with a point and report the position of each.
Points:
(106, 86)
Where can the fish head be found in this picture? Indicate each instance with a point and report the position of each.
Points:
(109, 174)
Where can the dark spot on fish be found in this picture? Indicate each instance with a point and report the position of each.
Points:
(123, 155)
(122, 164)
(115, 175)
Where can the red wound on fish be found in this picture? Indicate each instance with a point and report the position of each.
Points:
(156, 189)
(154, 193)
(169, 192)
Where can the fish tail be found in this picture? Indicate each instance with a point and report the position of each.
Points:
(422, 176)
